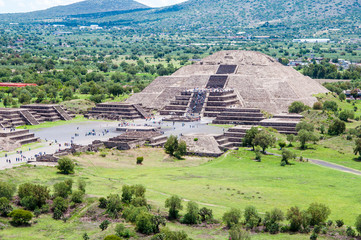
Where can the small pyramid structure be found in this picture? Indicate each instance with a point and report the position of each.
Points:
(255, 79)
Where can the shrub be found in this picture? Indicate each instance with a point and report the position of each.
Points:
(102, 202)
(304, 125)
(5, 207)
(114, 205)
(237, 233)
(38, 193)
(317, 106)
(282, 144)
(66, 165)
(287, 155)
(60, 203)
(346, 114)
(63, 189)
(350, 232)
(205, 214)
(251, 217)
(358, 224)
(191, 217)
(264, 139)
(297, 107)
(294, 216)
(175, 148)
(29, 202)
(174, 204)
(257, 152)
(104, 225)
(81, 185)
(127, 194)
(130, 213)
(318, 213)
(329, 223)
(7, 190)
(122, 231)
(337, 127)
(339, 223)
(317, 229)
(330, 105)
(20, 217)
(232, 217)
(57, 214)
(85, 236)
(77, 196)
(140, 160)
(272, 219)
(166, 234)
(112, 237)
(313, 236)
(144, 223)
(195, 139)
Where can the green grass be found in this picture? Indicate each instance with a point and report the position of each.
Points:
(233, 180)
(77, 119)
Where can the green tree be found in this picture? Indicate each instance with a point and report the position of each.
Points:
(39, 194)
(171, 145)
(305, 136)
(272, 219)
(62, 189)
(264, 139)
(5, 207)
(127, 194)
(358, 224)
(7, 190)
(114, 205)
(287, 155)
(232, 217)
(237, 233)
(77, 196)
(342, 97)
(205, 214)
(337, 127)
(66, 165)
(144, 223)
(251, 217)
(192, 215)
(345, 115)
(330, 105)
(304, 125)
(181, 150)
(60, 204)
(25, 96)
(249, 137)
(318, 212)
(294, 216)
(357, 148)
(174, 203)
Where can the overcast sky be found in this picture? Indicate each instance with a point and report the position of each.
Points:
(11, 6)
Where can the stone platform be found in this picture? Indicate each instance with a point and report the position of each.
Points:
(11, 139)
(118, 111)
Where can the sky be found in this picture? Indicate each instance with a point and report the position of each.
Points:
(12, 6)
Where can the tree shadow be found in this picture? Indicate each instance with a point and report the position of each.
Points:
(358, 159)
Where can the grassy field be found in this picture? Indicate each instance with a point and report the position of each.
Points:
(233, 180)
(77, 119)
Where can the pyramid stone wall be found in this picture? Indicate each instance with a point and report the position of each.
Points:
(259, 81)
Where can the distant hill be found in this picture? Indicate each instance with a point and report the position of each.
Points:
(219, 13)
(83, 7)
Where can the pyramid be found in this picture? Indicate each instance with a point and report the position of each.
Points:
(256, 80)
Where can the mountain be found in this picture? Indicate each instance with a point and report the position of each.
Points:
(211, 13)
(83, 7)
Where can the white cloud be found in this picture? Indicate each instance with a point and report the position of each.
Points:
(2, 3)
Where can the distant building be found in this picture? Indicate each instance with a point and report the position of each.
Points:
(320, 40)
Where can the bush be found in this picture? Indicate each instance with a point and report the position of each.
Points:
(257, 152)
(317, 106)
(66, 165)
(191, 217)
(104, 225)
(20, 217)
(166, 234)
(112, 237)
(144, 223)
(81, 185)
(29, 202)
(304, 125)
(63, 189)
(60, 203)
(232, 217)
(174, 204)
(294, 216)
(122, 231)
(314, 236)
(77, 196)
(330, 105)
(237, 233)
(5, 207)
(114, 205)
(337, 127)
(345, 115)
(350, 232)
(251, 217)
(175, 148)
(206, 214)
(358, 224)
(102, 202)
(297, 107)
(38, 193)
(287, 155)
(140, 160)
(272, 219)
(282, 144)
(58, 214)
(7, 190)
(339, 223)
(318, 213)
(317, 229)
(130, 213)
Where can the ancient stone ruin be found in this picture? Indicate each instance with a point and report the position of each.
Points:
(10, 139)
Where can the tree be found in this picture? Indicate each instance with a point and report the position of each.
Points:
(249, 137)
(62, 189)
(305, 136)
(66, 165)
(144, 223)
(232, 217)
(175, 148)
(345, 115)
(181, 150)
(7, 190)
(297, 107)
(272, 219)
(77, 196)
(264, 139)
(114, 205)
(81, 185)
(294, 216)
(251, 217)
(358, 224)
(39, 194)
(304, 125)
(127, 194)
(40, 96)
(318, 212)
(205, 214)
(287, 155)
(104, 225)
(60, 204)
(85, 236)
(67, 94)
(192, 215)
(342, 97)
(337, 127)
(166, 234)
(174, 203)
(330, 105)
(20, 217)
(25, 96)
(357, 148)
